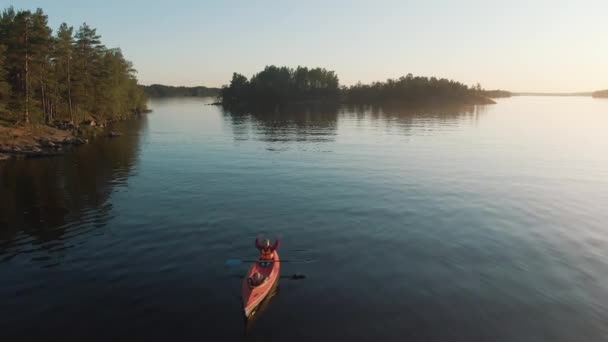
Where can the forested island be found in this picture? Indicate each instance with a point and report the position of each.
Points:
(159, 90)
(600, 94)
(282, 85)
(61, 80)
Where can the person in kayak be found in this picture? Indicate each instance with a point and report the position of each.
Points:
(266, 251)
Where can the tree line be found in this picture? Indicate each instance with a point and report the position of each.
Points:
(282, 84)
(416, 90)
(275, 85)
(66, 76)
(159, 90)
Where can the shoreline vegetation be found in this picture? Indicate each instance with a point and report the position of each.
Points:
(56, 89)
(283, 85)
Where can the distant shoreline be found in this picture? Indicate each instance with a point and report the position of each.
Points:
(161, 90)
(582, 94)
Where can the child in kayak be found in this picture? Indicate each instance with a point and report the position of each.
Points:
(256, 279)
(266, 251)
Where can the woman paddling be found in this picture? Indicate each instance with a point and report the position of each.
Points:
(266, 257)
(266, 251)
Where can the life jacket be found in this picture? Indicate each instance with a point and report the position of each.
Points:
(267, 253)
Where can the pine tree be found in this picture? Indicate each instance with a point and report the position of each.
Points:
(8, 39)
(63, 68)
(19, 58)
(87, 51)
(41, 78)
(6, 20)
(5, 88)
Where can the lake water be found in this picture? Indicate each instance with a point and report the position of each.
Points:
(485, 223)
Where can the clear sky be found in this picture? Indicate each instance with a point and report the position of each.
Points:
(519, 45)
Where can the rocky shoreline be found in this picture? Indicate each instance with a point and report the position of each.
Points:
(35, 142)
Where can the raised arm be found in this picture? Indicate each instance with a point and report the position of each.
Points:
(276, 244)
(257, 244)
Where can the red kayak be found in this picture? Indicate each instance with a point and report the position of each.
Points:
(254, 294)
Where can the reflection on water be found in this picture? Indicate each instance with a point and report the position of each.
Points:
(406, 119)
(293, 123)
(318, 124)
(48, 202)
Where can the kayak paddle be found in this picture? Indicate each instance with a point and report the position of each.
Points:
(295, 276)
(234, 262)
